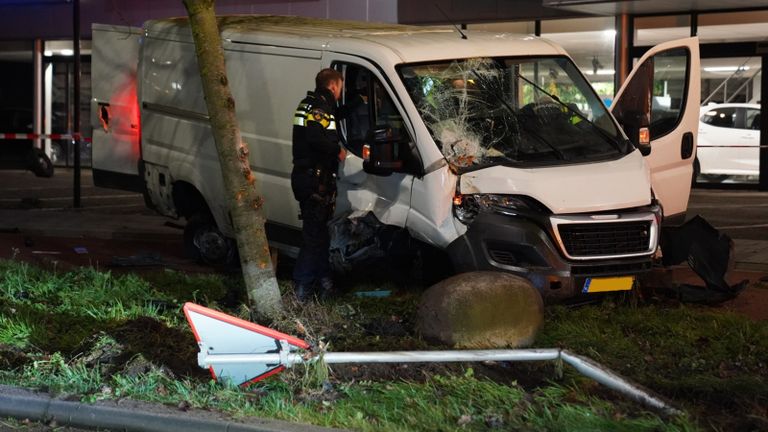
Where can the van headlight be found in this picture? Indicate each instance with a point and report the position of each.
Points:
(467, 207)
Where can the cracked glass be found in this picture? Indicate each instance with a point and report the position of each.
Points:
(512, 111)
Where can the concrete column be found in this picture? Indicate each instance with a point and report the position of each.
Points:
(48, 110)
(37, 93)
(622, 48)
(763, 182)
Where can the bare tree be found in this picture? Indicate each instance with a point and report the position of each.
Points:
(240, 185)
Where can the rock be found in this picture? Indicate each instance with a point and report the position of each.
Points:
(481, 310)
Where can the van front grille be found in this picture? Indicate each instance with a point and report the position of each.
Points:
(604, 239)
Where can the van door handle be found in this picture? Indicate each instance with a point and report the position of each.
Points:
(686, 146)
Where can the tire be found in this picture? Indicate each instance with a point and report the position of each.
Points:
(204, 242)
(40, 163)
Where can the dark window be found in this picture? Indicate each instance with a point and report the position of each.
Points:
(369, 106)
(720, 117)
(753, 119)
(655, 98)
(670, 75)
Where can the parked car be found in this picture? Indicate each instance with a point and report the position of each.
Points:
(729, 141)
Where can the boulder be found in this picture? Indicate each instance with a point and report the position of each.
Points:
(481, 310)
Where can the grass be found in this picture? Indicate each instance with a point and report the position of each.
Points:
(15, 332)
(441, 403)
(704, 359)
(710, 363)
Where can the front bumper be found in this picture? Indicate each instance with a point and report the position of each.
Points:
(527, 247)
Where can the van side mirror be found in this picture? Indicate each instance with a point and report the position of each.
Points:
(381, 153)
(635, 125)
(644, 141)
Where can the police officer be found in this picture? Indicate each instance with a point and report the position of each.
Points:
(316, 156)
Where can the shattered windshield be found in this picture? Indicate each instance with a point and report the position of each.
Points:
(512, 111)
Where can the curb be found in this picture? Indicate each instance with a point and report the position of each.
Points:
(47, 409)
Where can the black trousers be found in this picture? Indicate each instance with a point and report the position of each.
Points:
(312, 263)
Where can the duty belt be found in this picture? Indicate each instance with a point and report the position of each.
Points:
(316, 172)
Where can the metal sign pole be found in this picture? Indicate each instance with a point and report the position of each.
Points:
(76, 102)
(242, 352)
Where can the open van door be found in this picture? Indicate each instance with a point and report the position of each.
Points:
(114, 107)
(658, 107)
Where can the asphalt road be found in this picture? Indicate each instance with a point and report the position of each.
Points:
(741, 214)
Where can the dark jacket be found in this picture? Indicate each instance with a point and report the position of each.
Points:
(315, 139)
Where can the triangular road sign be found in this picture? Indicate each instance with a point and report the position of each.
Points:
(220, 334)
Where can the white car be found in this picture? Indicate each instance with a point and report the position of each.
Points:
(729, 141)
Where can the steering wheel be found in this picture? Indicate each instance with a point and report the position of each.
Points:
(545, 112)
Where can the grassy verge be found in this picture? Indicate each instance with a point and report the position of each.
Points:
(97, 336)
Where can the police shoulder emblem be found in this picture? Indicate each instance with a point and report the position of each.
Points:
(319, 116)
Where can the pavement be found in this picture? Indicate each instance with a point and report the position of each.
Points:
(44, 207)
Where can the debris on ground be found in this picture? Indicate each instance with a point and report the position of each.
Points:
(709, 254)
(374, 293)
(354, 239)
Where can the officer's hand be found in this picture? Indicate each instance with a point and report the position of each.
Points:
(342, 154)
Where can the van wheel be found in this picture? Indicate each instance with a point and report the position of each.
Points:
(40, 163)
(203, 241)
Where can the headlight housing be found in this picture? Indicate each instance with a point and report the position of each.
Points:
(467, 207)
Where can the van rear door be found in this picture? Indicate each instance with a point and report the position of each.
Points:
(662, 94)
(114, 107)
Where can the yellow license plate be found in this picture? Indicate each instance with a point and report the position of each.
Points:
(623, 283)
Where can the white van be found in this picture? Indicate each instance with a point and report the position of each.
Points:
(493, 149)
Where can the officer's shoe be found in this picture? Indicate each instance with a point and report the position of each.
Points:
(303, 291)
(328, 289)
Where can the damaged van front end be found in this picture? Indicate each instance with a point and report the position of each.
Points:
(548, 236)
(547, 184)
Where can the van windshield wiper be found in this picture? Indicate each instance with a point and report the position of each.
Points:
(511, 110)
(603, 133)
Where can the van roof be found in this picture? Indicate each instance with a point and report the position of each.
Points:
(407, 41)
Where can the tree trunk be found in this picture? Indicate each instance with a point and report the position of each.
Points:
(245, 205)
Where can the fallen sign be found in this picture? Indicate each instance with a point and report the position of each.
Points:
(242, 353)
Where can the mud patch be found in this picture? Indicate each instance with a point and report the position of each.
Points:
(160, 345)
(12, 358)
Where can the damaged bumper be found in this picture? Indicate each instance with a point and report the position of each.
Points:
(536, 247)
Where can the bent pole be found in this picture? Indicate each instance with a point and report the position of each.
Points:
(243, 352)
(583, 365)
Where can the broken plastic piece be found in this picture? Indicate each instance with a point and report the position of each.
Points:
(708, 253)
(374, 293)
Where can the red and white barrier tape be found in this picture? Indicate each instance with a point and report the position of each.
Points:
(30, 136)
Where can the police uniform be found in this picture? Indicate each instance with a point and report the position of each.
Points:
(313, 181)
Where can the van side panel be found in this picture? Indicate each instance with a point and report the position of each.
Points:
(114, 107)
(176, 135)
(267, 84)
